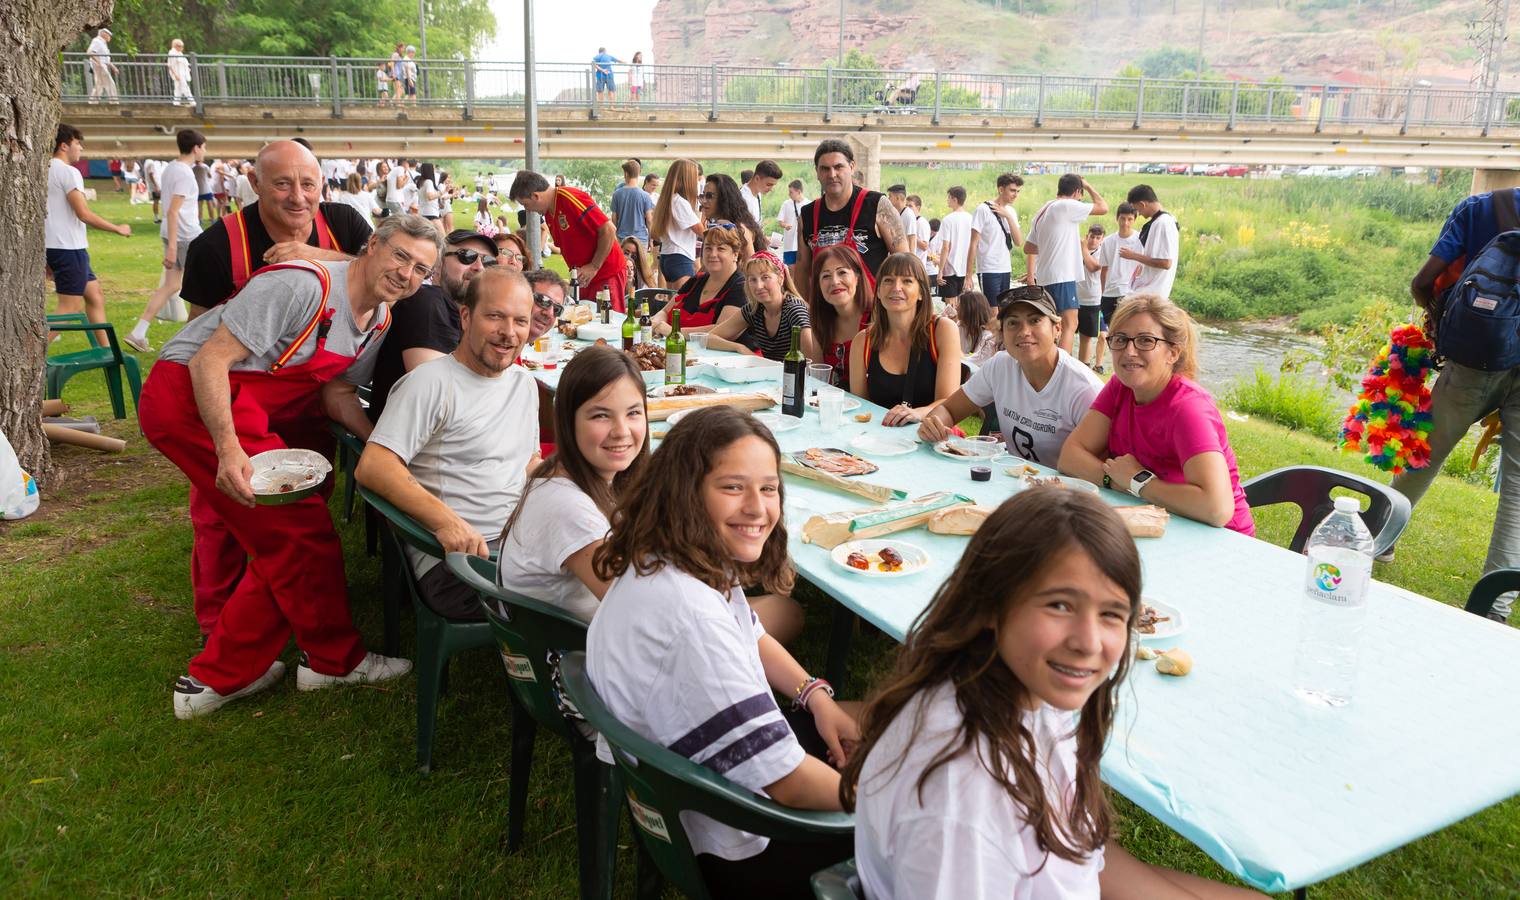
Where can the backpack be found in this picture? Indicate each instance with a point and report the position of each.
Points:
(1480, 318)
(1007, 235)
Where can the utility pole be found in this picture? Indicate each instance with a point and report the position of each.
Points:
(841, 33)
(422, 28)
(1203, 24)
(530, 127)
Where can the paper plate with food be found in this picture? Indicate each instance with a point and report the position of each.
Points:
(850, 403)
(1159, 621)
(287, 475)
(881, 558)
(834, 461)
(683, 390)
(1029, 477)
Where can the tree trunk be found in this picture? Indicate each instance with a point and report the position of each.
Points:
(29, 80)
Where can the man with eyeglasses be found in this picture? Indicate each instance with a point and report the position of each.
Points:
(266, 371)
(586, 238)
(427, 324)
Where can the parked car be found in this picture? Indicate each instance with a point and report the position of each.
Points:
(1177, 170)
(1216, 171)
(1153, 169)
(1237, 171)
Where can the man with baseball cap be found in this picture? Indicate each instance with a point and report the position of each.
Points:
(427, 324)
(1039, 391)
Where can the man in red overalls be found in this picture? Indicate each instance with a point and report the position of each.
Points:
(265, 371)
(288, 222)
(585, 236)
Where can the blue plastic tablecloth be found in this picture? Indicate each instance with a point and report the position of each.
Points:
(1279, 792)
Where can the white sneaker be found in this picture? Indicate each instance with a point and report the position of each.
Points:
(141, 345)
(372, 668)
(193, 697)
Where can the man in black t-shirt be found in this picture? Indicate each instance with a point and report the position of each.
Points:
(426, 325)
(288, 222)
(845, 213)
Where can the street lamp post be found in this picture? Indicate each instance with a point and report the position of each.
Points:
(422, 27)
(841, 33)
(530, 127)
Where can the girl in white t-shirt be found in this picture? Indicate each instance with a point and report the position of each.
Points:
(678, 655)
(1038, 391)
(972, 313)
(676, 224)
(550, 538)
(976, 775)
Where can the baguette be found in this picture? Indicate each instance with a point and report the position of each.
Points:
(661, 408)
(1144, 521)
(832, 529)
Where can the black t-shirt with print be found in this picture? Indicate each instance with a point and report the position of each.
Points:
(208, 263)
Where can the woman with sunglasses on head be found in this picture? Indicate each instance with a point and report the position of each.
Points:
(1033, 383)
(716, 295)
(639, 276)
(841, 305)
(771, 311)
(1153, 431)
(723, 204)
(909, 360)
(676, 223)
(561, 519)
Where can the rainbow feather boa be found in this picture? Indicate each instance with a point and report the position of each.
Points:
(1389, 424)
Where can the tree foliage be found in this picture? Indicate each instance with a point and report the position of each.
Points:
(345, 28)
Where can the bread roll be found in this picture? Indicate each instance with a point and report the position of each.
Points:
(959, 519)
(1144, 521)
(1174, 662)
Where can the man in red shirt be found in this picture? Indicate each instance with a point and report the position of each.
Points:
(586, 238)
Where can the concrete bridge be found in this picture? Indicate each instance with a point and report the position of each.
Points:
(474, 109)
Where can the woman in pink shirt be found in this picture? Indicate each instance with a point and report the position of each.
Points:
(1152, 430)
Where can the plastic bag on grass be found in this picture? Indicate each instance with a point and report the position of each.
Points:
(18, 492)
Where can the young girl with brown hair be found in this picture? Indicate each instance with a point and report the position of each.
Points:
(977, 773)
(678, 655)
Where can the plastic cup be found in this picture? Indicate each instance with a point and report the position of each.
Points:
(821, 374)
(830, 408)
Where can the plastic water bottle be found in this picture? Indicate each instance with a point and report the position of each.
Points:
(1334, 606)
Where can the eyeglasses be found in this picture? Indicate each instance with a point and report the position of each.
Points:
(509, 256)
(468, 257)
(707, 195)
(1142, 342)
(412, 269)
(722, 224)
(544, 301)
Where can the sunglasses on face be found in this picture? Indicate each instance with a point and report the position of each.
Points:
(708, 195)
(544, 301)
(468, 257)
(724, 225)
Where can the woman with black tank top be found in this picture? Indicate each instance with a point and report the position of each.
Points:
(909, 360)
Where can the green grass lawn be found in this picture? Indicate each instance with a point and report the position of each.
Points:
(287, 794)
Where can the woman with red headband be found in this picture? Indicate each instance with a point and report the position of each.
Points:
(772, 309)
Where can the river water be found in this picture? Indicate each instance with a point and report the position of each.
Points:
(1228, 350)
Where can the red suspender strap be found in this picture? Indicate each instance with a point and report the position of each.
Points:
(860, 201)
(325, 237)
(237, 246)
(322, 313)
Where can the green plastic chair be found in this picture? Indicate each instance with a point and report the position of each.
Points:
(838, 882)
(530, 634)
(438, 638)
(107, 357)
(350, 448)
(662, 784)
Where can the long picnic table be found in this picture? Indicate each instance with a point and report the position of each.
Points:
(1279, 792)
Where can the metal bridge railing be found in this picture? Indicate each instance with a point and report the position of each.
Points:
(473, 84)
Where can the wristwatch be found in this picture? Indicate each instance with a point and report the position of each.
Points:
(1141, 479)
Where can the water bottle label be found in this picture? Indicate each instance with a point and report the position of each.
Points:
(1339, 581)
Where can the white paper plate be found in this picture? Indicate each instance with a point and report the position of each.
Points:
(881, 443)
(664, 390)
(977, 451)
(303, 470)
(1075, 484)
(776, 422)
(850, 403)
(1165, 631)
(915, 558)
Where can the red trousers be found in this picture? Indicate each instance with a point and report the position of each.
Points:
(616, 285)
(294, 580)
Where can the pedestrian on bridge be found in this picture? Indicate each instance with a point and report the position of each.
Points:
(602, 69)
(102, 69)
(846, 213)
(179, 73)
(587, 239)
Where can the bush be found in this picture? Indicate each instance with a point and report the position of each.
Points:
(1206, 302)
(1291, 400)
(1458, 463)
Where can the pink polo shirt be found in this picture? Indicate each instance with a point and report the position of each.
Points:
(1170, 430)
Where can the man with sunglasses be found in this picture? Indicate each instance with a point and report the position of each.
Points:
(268, 370)
(427, 324)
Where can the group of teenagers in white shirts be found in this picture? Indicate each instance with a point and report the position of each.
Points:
(973, 768)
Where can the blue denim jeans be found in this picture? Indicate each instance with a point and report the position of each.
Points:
(1460, 398)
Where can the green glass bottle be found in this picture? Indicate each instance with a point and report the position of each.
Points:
(794, 377)
(675, 351)
(630, 329)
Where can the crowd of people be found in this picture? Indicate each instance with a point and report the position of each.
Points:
(973, 768)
